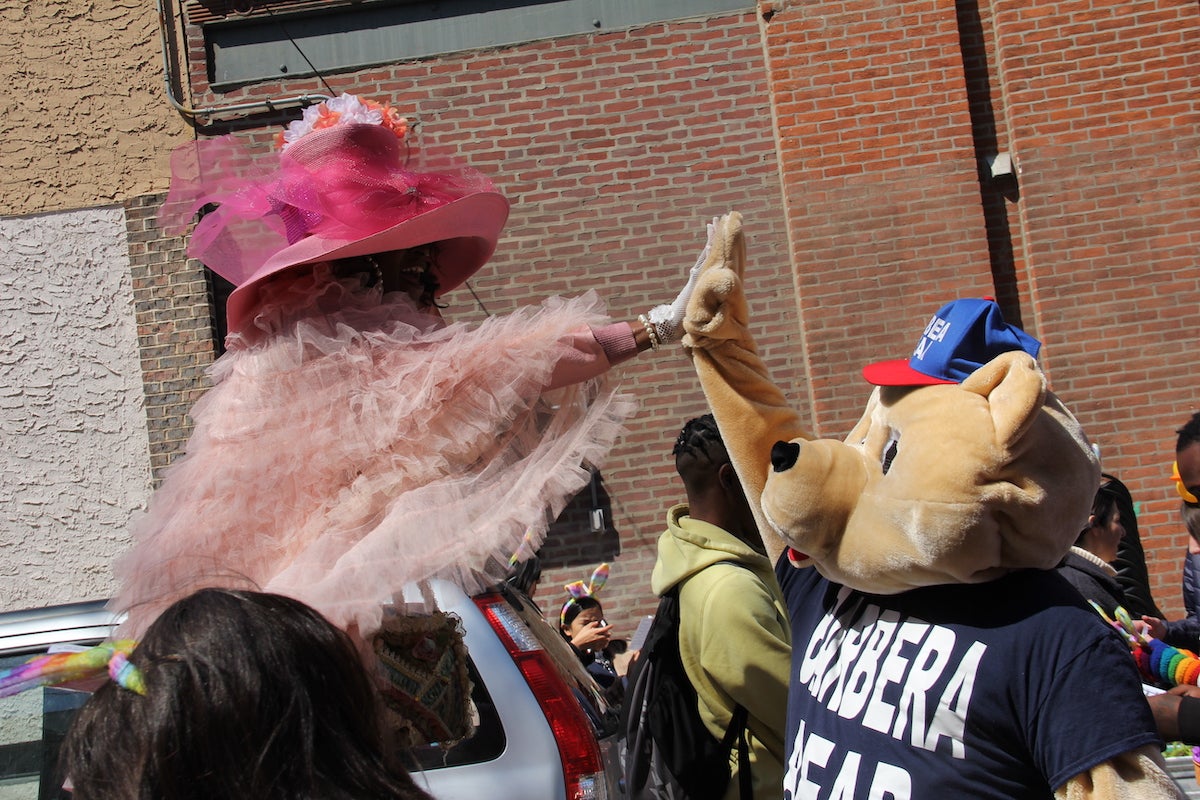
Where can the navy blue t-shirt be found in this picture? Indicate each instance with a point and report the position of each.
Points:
(1005, 689)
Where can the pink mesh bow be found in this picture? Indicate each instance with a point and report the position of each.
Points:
(339, 184)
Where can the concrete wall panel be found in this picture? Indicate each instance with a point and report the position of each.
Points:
(72, 429)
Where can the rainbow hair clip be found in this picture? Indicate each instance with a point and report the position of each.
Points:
(58, 668)
(579, 590)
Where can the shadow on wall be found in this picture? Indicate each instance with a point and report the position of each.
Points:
(583, 535)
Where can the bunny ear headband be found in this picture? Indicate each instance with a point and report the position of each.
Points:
(56, 668)
(579, 590)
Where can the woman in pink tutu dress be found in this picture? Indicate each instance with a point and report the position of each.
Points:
(353, 441)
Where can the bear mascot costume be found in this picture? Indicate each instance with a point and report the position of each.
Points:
(936, 653)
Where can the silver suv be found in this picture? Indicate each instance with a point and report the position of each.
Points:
(543, 728)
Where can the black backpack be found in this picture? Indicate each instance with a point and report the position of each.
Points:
(669, 754)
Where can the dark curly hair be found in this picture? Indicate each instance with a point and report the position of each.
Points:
(248, 696)
(699, 450)
(1189, 434)
(418, 263)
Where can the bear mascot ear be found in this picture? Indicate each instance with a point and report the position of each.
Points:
(1015, 390)
(1038, 487)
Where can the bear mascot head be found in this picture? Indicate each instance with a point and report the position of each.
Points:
(964, 465)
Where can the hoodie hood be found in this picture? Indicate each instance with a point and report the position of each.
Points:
(689, 545)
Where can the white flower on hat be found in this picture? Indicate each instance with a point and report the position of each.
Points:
(344, 110)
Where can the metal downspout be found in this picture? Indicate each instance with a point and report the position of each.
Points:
(270, 104)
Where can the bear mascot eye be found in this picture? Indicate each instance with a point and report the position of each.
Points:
(889, 452)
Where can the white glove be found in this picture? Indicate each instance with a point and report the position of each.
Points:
(668, 320)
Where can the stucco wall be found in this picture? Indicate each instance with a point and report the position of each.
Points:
(86, 120)
(72, 428)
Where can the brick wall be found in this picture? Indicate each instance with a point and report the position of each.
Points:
(174, 326)
(854, 138)
(885, 113)
(1103, 100)
(881, 189)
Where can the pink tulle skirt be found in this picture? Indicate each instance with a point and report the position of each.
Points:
(351, 445)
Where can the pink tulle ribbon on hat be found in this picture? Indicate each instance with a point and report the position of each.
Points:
(244, 228)
(329, 182)
(334, 202)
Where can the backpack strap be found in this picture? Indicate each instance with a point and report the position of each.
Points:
(737, 732)
(745, 786)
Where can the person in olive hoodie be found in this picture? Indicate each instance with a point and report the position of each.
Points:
(734, 637)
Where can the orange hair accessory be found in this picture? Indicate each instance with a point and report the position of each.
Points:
(1187, 496)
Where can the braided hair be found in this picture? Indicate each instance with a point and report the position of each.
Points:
(699, 451)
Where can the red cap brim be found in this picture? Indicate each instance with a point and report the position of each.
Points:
(897, 373)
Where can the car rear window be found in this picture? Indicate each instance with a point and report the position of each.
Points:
(485, 743)
(32, 727)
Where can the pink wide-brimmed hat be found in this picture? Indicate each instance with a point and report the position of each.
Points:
(335, 192)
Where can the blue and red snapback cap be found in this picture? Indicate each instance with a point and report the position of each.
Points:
(961, 337)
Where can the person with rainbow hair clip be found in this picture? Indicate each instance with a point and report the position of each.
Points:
(230, 695)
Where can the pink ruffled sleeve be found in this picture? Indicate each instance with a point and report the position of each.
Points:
(592, 351)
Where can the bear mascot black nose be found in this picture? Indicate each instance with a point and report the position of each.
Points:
(784, 455)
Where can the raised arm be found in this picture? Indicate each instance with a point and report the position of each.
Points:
(750, 410)
(591, 351)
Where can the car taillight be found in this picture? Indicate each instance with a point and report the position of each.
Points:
(583, 768)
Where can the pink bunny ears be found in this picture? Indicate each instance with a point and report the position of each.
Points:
(579, 590)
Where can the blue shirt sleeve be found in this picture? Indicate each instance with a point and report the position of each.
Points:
(1089, 707)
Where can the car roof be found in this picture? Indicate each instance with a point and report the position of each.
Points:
(35, 629)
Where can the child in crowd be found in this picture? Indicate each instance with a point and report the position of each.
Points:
(582, 623)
